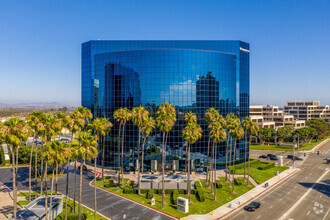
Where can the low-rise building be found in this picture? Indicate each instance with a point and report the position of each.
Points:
(269, 116)
(307, 110)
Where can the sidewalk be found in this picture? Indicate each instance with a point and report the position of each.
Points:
(318, 146)
(241, 201)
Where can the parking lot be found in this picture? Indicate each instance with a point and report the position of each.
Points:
(286, 162)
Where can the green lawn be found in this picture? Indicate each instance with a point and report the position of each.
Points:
(224, 195)
(276, 147)
(26, 194)
(259, 175)
(23, 203)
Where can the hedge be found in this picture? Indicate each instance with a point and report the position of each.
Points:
(174, 196)
(109, 183)
(200, 193)
(219, 184)
(128, 190)
(150, 194)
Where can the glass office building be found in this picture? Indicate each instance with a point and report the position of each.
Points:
(192, 75)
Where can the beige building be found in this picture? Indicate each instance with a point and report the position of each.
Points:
(269, 116)
(307, 110)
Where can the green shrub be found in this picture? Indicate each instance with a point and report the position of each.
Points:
(128, 190)
(109, 183)
(2, 156)
(193, 191)
(200, 192)
(182, 191)
(174, 196)
(218, 184)
(150, 194)
(144, 191)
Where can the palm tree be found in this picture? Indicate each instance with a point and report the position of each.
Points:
(99, 126)
(34, 121)
(245, 123)
(209, 117)
(218, 135)
(122, 116)
(87, 149)
(15, 131)
(191, 133)
(139, 116)
(147, 128)
(252, 130)
(166, 118)
(237, 132)
(229, 118)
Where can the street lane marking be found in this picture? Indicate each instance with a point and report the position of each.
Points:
(326, 214)
(257, 217)
(304, 196)
(320, 197)
(270, 207)
(308, 212)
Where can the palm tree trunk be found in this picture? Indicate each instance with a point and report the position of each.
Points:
(122, 151)
(230, 156)
(215, 173)
(103, 146)
(207, 163)
(245, 155)
(41, 171)
(211, 174)
(119, 155)
(51, 195)
(80, 186)
(16, 164)
(30, 170)
(95, 187)
(234, 168)
(144, 141)
(67, 189)
(248, 176)
(163, 172)
(56, 179)
(14, 182)
(227, 159)
(188, 177)
(36, 172)
(74, 186)
(46, 202)
(139, 176)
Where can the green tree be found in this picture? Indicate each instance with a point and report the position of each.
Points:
(321, 126)
(166, 118)
(284, 133)
(218, 135)
(191, 133)
(139, 116)
(209, 118)
(122, 115)
(147, 127)
(252, 129)
(245, 123)
(87, 149)
(229, 120)
(237, 132)
(2, 156)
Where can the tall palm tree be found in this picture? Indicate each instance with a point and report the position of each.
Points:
(87, 149)
(229, 118)
(218, 135)
(99, 126)
(237, 132)
(15, 131)
(122, 116)
(252, 130)
(34, 121)
(209, 117)
(147, 128)
(191, 133)
(139, 116)
(189, 117)
(166, 118)
(74, 123)
(245, 123)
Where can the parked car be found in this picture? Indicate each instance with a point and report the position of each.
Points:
(273, 158)
(37, 142)
(252, 206)
(84, 168)
(271, 155)
(263, 156)
(65, 140)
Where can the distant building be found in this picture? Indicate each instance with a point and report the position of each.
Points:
(269, 116)
(307, 110)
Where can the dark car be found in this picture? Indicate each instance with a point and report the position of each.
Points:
(290, 156)
(65, 140)
(84, 168)
(252, 206)
(297, 158)
(38, 142)
(263, 156)
(327, 159)
(271, 155)
(273, 158)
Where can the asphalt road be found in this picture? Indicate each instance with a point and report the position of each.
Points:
(105, 200)
(304, 195)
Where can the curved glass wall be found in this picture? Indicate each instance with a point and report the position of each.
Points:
(191, 79)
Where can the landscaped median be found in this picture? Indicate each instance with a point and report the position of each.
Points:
(277, 147)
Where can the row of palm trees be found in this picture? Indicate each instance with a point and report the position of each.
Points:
(55, 154)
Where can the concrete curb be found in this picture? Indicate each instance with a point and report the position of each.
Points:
(317, 146)
(144, 205)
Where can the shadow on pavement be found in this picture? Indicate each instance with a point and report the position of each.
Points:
(320, 187)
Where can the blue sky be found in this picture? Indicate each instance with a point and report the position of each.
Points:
(40, 42)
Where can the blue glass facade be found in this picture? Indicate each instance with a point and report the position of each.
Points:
(192, 75)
